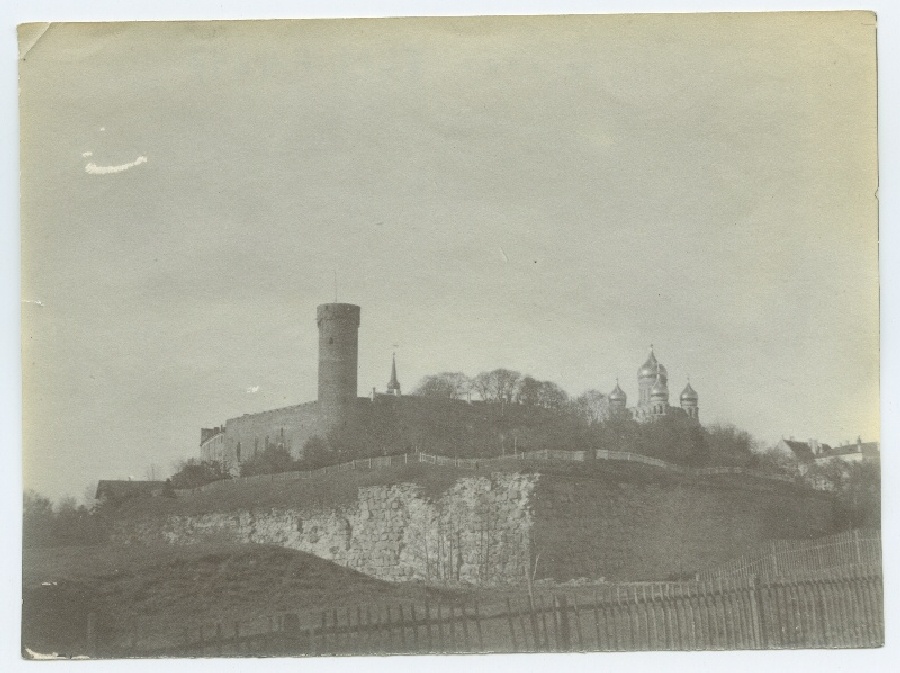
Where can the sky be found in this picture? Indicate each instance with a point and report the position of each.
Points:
(545, 194)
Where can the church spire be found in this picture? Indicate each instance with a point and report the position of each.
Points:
(393, 386)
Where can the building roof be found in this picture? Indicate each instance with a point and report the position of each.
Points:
(865, 448)
(800, 449)
(617, 394)
(125, 488)
(689, 393)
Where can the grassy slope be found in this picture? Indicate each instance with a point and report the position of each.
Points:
(341, 488)
(330, 490)
(178, 589)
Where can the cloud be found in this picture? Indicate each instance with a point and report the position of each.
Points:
(254, 389)
(87, 154)
(94, 169)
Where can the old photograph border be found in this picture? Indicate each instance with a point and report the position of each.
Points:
(889, 37)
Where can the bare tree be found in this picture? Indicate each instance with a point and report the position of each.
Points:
(499, 385)
(593, 405)
(547, 394)
(447, 385)
(551, 396)
(529, 391)
(483, 384)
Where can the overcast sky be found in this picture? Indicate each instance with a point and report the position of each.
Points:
(550, 195)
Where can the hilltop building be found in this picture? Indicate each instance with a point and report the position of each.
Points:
(813, 452)
(653, 395)
(239, 439)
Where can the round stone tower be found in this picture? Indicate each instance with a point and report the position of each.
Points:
(338, 350)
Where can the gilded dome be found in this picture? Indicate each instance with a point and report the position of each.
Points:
(659, 388)
(617, 395)
(689, 394)
(649, 367)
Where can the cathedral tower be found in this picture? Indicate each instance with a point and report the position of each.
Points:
(690, 402)
(647, 376)
(618, 400)
(659, 397)
(338, 353)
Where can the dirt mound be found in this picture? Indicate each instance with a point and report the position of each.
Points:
(163, 592)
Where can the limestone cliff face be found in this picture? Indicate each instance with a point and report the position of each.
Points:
(485, 530)
(477, 531)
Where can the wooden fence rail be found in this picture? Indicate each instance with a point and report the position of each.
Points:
(839, 612)
(859, 549)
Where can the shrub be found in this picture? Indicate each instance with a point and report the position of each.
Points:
(193, 473)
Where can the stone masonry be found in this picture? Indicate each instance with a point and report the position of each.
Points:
(478, 531)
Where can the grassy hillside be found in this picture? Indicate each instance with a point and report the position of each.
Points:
(165, 591)
(341, 488)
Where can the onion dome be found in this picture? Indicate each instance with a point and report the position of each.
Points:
(649, 367)
(659, 388)
(689, 394)
(617, 395)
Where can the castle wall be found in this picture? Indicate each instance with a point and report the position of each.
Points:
(291, 426)
(477, 531)
(486, 530)
(213, 449)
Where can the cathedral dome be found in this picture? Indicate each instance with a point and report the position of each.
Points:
(659, 388)
(617, 395)
(689, 394)
(649, 368)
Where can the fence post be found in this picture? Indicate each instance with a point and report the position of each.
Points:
(565, 632)
(428, 624)
(478, 625)
(415, 627)
(440, 629)
(756, 613)
(596, 607)
(465, 627)
(523, 626)
(544, 611)
(577, 612)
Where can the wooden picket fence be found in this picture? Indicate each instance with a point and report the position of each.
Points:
(857, 549)
(838, 611)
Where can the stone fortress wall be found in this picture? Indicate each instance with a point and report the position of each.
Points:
(488, 530)
(477, 531)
